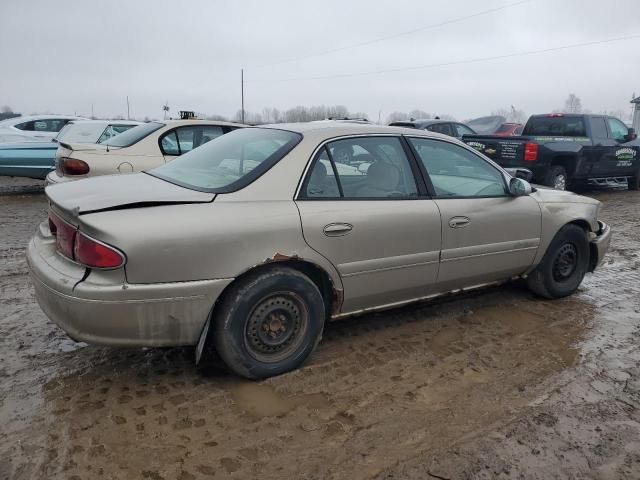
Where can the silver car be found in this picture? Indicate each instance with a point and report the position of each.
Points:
(248, 245)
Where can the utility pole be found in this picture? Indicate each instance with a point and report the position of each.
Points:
(242, 94)
(93, 117)
(128, 116)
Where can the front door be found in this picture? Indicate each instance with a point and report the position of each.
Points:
(487, 235)
(362, 209)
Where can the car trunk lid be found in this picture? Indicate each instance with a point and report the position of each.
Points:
(115, 192)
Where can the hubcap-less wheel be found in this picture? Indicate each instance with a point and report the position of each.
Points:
(560, 182)
(276, 327)
(565, 262)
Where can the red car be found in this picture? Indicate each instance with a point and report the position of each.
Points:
(509, 129)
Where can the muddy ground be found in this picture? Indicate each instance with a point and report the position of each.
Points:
(498, 384)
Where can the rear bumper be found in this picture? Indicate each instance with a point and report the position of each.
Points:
(600, 245)
(104, 309)
(53, 178)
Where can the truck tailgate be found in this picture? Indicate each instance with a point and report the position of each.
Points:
(506, 151)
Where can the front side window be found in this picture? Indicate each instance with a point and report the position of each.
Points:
(456, 172)
(618, 129)
(366, 167)
(230, 162)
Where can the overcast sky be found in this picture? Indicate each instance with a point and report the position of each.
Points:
(63, 56)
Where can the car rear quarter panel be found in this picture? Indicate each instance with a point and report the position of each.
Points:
(218, 240)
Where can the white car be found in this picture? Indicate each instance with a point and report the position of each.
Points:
(94, 131)
(35, 127)
(143, 147)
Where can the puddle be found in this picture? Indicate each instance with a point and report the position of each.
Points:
(262, 400)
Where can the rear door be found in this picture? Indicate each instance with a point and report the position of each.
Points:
(487, 235)
(601, 153)
(372, 220)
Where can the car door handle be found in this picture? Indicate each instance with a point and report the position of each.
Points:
(459, 222)
(337, 229)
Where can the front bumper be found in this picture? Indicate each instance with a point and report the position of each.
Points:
(100, 307)
(600, 245)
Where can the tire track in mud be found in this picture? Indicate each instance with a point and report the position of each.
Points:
(460, 388)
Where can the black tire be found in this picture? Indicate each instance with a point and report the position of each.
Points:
(556, 178)
(268, 323)
(633, 182)
(563, 266)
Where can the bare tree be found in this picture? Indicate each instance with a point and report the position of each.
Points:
(419, 114)
(7, 109)
(572, 104)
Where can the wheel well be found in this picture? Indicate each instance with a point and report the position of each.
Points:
(593, 250)
(569, 164)
(331, 296)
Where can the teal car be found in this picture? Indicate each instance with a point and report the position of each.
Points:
(37, 159)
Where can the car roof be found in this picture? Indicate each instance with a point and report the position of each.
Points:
(28, 118)
(337, 129)
(423, 122)
(106, 122)
(199, 122)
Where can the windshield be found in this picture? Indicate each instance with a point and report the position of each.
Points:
(134, 135)
(555, 126)
(229, 162)
(80, 132)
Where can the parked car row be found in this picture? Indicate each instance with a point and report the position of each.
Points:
(247, 244)
(35, 159)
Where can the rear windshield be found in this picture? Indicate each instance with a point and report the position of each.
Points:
(134, 135)
(555, 126)
(229, 162)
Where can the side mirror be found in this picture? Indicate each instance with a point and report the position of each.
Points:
(631, 135)
(519, 187)
(523, 173)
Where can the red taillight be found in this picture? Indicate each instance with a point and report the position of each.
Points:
(73, 166)
(554, 115)
(94, 254)
(531, 152)
(65, 235)
(81, 248)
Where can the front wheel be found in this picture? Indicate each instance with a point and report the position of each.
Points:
(564, 264)
(268, 323)
(557, 178)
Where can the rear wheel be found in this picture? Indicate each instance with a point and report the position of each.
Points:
(557, 178)
(633, 182)
(268, 323)
(564, 264)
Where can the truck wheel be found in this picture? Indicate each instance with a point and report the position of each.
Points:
(634, 182)
(564, 264)
(268, 323)
(556, 178)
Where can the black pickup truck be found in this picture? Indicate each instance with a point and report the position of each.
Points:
(565, 150)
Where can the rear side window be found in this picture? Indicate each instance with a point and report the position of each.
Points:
(463, 130)
(598, 128)
(555, 126)
(134, 135)
(112, 131)
(48, 125)
(184, 139)
(361, 168)
(443, 128)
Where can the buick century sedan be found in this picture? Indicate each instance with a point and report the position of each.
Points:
(248, 245)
